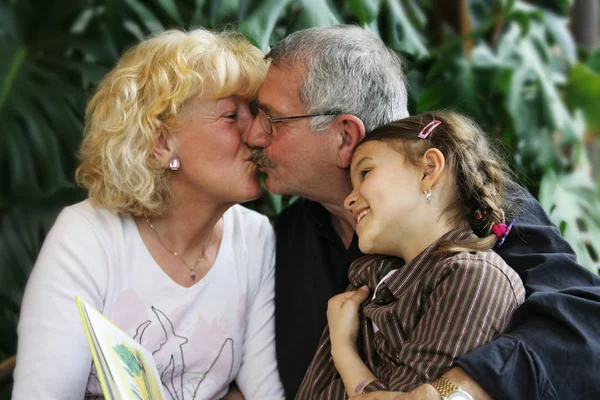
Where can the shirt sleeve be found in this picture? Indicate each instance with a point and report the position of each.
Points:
(258, 377)
(322, 381)
(53, 357)
(552, 349)
(471, 304)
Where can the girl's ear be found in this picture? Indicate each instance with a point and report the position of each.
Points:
(433, 164)
(350, 130)
(164, 145)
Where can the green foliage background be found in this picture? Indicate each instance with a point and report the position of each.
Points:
(524, 80)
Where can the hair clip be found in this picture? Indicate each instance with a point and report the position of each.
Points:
(427, 129)
(502, 231)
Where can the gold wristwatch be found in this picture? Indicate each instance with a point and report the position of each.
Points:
(449, 390)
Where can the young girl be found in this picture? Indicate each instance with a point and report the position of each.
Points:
(422, 186)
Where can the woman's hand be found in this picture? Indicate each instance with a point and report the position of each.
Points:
(342, 317)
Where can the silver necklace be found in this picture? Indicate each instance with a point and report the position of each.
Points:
(192, 268)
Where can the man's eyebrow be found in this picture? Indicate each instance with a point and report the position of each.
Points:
(262, 106)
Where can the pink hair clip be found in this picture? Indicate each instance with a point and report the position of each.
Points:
(502, 231)
(427, 129)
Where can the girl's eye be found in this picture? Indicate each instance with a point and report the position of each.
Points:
(364, 172)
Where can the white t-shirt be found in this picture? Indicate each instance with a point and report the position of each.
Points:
(202, 337)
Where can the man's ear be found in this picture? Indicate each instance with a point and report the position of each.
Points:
(350, 131)
(164, 145)
(433, 164)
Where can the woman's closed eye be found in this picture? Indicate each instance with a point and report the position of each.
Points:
(231, 115)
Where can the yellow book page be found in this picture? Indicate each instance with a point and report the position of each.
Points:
(125, 368)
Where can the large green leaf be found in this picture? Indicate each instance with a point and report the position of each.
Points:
(398, 31)
(366, 11)
(151, 22)
(312, 13)
(594, 61)
(259, 25)
(541, 122)
(572, 203)
(450, 84)
(40, 106)
(583, 92)
(558, 28)
(532, 75)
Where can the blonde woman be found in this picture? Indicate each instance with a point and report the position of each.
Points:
(161, 246)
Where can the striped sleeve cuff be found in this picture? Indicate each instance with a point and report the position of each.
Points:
(375, 386)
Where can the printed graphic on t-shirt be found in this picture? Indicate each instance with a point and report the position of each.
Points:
(209, 346)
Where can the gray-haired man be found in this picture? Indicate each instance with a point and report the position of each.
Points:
(325, 89)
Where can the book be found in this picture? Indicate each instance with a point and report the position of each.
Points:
(125, 368)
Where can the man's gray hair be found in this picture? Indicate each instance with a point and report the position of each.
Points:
(348, 70)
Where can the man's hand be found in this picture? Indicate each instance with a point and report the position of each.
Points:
(342, 317)
(428, 392)
(423, 392)
(381, 396)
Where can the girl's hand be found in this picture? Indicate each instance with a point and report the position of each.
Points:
(342, 317)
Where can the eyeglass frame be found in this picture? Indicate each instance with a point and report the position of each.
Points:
(259, 108)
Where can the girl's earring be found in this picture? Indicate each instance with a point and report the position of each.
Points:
(427, 195)
(174, 163)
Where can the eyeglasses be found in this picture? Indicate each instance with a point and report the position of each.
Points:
(267, 122)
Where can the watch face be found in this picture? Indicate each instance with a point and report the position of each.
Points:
(460, 395)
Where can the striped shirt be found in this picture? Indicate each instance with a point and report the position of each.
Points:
(423, 316)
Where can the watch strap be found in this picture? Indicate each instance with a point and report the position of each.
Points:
(445, 386)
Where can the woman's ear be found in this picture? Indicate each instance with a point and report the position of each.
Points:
(433, 164)
(164, 145)
(350, 131)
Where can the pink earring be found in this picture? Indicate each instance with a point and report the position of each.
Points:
(174, 163)
(427, 194)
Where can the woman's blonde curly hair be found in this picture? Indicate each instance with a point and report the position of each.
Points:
(146, 91)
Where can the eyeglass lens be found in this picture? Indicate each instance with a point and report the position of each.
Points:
(264, 120)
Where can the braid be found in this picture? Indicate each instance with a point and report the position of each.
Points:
(481, 183)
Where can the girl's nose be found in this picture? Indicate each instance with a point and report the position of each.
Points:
(349, 202)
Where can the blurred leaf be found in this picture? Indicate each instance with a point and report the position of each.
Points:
(222, 9)
(450, 84)
(583, 92)
(170, 7)
(398, 32)
(483, 57)
(571, 201)
(259, 25)
(558, 27)
(42, 121)
(534, 101)
(149, 19)
(311, 13)
(365, 10)
(594, 61)
(559, 6)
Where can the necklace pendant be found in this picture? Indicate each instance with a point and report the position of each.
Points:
(192, 275)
